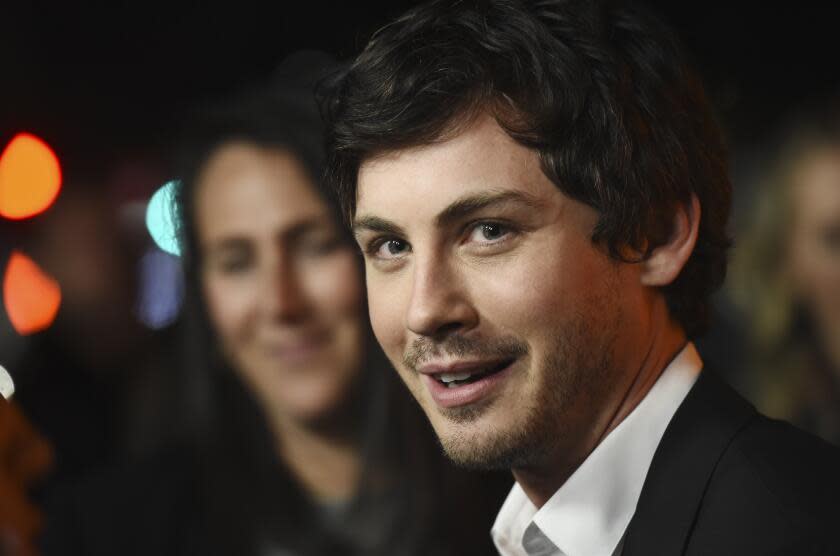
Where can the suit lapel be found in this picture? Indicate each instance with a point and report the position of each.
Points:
(699, 433)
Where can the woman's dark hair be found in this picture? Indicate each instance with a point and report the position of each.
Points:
(281, 115)
(598, 89)
(241, 482)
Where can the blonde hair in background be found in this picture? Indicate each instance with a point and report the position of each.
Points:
(782, 351)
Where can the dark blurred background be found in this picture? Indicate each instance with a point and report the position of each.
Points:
(99, 80)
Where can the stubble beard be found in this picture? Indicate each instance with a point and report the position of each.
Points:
(577, 371)
(542, 427)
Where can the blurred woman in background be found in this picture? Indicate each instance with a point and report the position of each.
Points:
(311, 445)
(786, 278)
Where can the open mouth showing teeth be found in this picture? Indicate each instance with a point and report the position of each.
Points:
(453, 380)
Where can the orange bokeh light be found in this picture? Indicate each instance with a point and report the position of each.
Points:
(32, 297)
(30, 177)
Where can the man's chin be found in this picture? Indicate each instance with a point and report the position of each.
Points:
(474, 441)
(478, 452)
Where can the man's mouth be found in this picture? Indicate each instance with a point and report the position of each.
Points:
(461, 384)
(460, 378)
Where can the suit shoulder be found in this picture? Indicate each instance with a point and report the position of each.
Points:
(776, 483)
(799, 469)
(727, 481)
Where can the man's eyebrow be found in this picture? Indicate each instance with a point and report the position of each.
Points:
(455, 211)
(376, 224)
(465, 206)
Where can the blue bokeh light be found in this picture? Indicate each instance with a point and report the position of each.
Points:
(161, 289)
(160, 218)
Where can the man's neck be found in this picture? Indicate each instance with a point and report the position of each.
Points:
(540, 482)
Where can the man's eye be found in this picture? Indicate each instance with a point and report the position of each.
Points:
(390, 248)
(489, 232)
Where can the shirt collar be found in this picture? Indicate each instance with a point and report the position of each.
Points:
(588, 515)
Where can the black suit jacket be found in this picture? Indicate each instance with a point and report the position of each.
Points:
(726, 480)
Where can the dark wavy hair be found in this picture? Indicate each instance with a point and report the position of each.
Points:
(600, 90)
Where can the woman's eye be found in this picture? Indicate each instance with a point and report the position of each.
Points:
(320, 245)
(234, 265)
(489, 232)
(229, 263)
(390, 248)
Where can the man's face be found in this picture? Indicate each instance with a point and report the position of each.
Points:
(509, 326)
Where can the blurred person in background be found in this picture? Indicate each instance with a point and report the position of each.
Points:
(311, 446)
(786, 279)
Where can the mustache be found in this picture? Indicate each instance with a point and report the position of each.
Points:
(424, 349)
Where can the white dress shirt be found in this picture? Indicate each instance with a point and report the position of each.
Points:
(589, 514)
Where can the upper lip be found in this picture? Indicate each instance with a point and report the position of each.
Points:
(295, 342)
(436, 368)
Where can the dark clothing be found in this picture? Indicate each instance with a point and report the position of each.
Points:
(727, 481)
(153, 508)
(165, 507)
(232, 497)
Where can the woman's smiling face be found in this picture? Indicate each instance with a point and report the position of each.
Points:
(282, 286)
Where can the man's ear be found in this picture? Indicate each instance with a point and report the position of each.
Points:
(665, 262)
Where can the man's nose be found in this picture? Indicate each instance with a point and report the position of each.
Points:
(439, 303)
